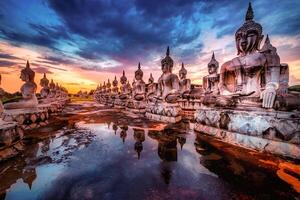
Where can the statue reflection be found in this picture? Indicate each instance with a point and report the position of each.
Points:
(123, 133)
(139, 137)
(115, 128)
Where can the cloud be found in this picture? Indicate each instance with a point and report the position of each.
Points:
(8, 56)
(42, 70)
(5, 63)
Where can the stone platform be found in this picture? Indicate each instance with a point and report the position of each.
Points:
(274, 132)
(120, 103)
(27, 118)
(137, 107)
(164, 112)
(189, 107)
(10, 139)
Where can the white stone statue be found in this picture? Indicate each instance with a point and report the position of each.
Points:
(28, 91)
(168, 83)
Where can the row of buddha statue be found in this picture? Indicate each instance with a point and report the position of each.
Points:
(255, 78)
(29, 105)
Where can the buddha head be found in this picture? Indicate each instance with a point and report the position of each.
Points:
(167, 62)
(27, 74)
(115, 82)
(151, 79)
(123, 78)
(182, 72)
(249, 35)
(138, 73)
(44, 82)
(213, 65)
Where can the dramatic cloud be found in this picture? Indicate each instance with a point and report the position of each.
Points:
(93, 39)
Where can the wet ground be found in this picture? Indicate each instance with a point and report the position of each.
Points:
(91, 152)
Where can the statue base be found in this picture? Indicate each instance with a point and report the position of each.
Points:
(188, 107)
(120, 103)
(10, 139)
(27, 118)
(164, 112)
(275, 132)
(137, 107)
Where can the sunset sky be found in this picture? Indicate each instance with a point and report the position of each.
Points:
(80, 43)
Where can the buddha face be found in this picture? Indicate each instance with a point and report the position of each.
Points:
(138, 76)
(24, 77)
(212, 69)
(166, 67)
(182, 75)
(247, 41)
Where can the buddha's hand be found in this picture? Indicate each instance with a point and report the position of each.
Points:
(268, 96)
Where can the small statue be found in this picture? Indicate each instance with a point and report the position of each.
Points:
(115, 90)
(254, 74)
(139, 86)
(211, 81)
(28, 91)
(108, 87)
(58, 91)
(124, 87)
(52, 92)
(184, 83)
(151, 89)
(168, 83)
(44, 83)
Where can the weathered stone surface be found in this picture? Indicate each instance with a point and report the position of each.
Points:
(252, 142)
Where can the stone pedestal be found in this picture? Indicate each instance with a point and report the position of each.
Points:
(164, 112)
(27, 118)
(188, 107)
(137, 107)
(274, 132)
(120, 103)
(10, 138)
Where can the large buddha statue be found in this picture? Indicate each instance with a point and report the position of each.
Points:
(184, 83)
(168, 83)
(151, 89)
(254, 73)
(44, 83)
(211, 81)
(28, 91)
(139, 87)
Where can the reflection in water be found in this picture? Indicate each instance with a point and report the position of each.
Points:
(86, 159)
(139, 137)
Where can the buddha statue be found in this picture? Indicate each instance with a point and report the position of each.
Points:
(184, 83)
(124, 94)
(108, 87)
(211, 81)
(58, 91)
(44, 83)
(168, 83)
(115, 89)
(151, 89)
(52, 92)
(254, 73)
(28, 91)
(129, 88)
(139, 86)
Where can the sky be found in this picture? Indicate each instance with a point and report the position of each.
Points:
(80, 44)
